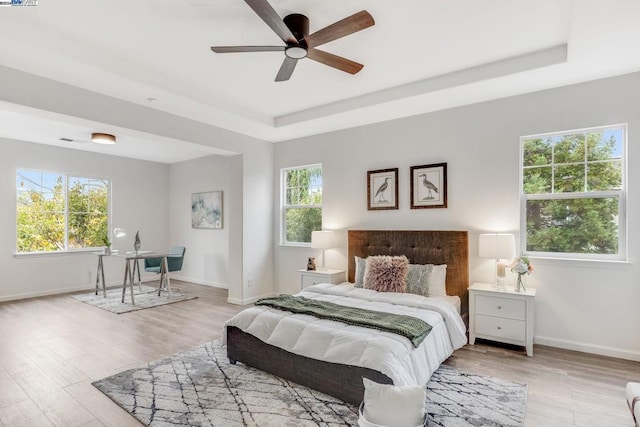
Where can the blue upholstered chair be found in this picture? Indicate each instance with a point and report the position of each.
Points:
(174, 261)
(175, 258)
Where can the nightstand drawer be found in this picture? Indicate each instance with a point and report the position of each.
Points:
(313, 277)
(312, 280)
(501, 307)
(500, 328)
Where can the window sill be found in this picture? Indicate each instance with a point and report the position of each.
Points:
(582, 263)
(57, 253)
(295, 245)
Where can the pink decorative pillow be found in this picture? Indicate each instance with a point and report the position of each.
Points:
(386, 273)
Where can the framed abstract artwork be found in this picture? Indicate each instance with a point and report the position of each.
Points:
(206, 210)
(429, 186)
(382, 189)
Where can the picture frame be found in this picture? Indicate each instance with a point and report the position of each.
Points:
(207, 210)
(382, 189)
(429, 186)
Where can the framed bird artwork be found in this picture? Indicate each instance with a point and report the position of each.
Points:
(382, 189)
(429, 186)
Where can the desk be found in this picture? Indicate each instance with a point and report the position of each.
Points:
(100, 272)
(129, 272)
(132, 264)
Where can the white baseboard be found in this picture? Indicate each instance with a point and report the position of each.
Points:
(45, 293)
(199, 281)
(247, 301)
(57, 291)
(92, 286)
(588, 348)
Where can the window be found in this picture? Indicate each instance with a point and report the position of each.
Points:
(56, 212)
(302, 196)
(573, 193)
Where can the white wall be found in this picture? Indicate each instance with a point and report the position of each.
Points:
(250, 233)
(207, 256)
(136, 205)
(257, 209)
(580, 305)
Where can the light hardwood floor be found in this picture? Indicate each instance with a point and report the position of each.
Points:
(52, 348)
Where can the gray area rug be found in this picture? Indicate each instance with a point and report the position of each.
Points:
(146, 298)
(459, 398)
(199, 387)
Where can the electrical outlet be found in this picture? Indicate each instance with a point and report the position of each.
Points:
(250, 282)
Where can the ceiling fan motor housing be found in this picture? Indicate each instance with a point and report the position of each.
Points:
(293, 30)
(299, 26)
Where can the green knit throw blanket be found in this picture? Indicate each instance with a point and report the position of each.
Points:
(416, 330)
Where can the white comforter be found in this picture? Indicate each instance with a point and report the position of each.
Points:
(332, 341)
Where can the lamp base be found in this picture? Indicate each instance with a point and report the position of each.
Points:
(323, 267)
(500, 275)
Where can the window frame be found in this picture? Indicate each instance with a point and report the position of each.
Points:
(621, 194)
(285, 207)
(66, 179)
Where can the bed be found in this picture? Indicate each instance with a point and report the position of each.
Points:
(344, 380)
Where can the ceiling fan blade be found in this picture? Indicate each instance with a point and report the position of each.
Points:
(352, 24)
(286, 69)
(272, 19)
(334, 61)
(235, 49)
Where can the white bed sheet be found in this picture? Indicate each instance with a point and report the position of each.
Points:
(453, 300)
(336, 342)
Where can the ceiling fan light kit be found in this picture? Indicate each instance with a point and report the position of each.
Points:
(296, 52)
(103, 138)
(294, 32)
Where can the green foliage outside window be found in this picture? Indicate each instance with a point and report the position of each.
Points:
(45, 208)
(572, 185)
(303, 203)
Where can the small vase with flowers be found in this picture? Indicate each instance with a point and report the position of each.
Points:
(521, 266)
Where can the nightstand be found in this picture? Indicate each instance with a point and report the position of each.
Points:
(501, 315)
(311, 277)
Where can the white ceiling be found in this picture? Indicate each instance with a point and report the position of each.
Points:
(421, 56)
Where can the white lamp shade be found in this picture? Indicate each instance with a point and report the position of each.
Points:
(497, 246)
(322, 239)
(119, 232)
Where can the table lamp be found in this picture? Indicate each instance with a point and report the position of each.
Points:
(498, 246)
(119, 232)
(322, 240)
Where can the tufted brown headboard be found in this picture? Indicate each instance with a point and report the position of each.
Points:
(421, 247)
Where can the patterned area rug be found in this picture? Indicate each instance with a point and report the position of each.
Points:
(199, 387)
(458, 398)
(145, 298)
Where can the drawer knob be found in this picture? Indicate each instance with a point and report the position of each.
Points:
(499, 327)
(499, 307)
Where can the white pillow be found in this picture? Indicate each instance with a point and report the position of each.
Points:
(438, 281)
(428, 280)
(389, 405)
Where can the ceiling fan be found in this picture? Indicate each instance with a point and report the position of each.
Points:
(294, 31)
